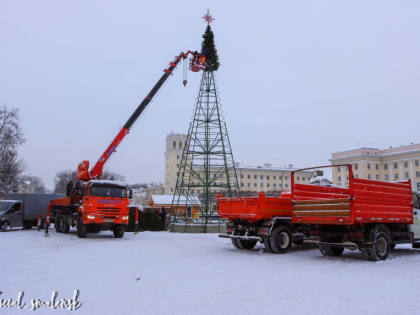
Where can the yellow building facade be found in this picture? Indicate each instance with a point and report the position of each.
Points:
(392, 164)
(250, 178)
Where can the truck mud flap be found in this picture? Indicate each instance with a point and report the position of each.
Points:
(348, 245)
(242, 237)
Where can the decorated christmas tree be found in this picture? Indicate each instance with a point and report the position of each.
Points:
(207, 167)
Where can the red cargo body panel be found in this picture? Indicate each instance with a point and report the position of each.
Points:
(365, 201)
(254, 208)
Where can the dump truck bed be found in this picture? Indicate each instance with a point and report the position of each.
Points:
(365, 201)
(254, 208)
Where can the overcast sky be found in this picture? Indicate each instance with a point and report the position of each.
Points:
(298, 79)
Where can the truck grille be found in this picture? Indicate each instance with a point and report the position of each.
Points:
(109, 213)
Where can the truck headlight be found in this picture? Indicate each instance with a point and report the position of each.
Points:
(91, 216)
(125, 217)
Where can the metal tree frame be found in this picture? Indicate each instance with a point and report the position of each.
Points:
(207, 162)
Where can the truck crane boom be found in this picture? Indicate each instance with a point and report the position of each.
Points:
(83, 173)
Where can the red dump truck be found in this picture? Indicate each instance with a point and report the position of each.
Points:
(260, 219)
(369, 215)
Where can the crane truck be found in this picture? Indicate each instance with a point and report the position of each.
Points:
(92, 204)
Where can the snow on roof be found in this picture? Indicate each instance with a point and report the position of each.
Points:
(10, 200)
(107, 181)
(167, 200)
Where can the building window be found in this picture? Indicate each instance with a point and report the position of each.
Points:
(286, 185)
(268, 177)
(386, 177)
(396, 176)
(261, 177)
(339, 169)
(242, 176)
(377, 166)
(255, 176)
(255, 184)
(356, 166)
(339, 178)
(285, 177)
(249, 184)
(242, 184)
(418, 186)
(395, 165)
(347, 178)
(417, 162)
(369, 176)
(368, 165)
(417, 174)
(405, 164)
(297, 178)
(262, 185)
(180, 145)
(177, 166)
(249, 176)
(274, 176)
(274, 185)
(377, 177)
(385, 166)
(174, 144)
(280, 177)
(268, 184)
(303, 179)
(406, 175)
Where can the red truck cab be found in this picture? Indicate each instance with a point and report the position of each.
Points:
(92, 207)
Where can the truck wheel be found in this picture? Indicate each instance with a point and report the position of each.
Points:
(247, 244)
(331, 250)
(267, 245)
(65, 226)
(5, 226)
(380, 238)
(235, 244)
(57, 223)
(118, 231)
(281, 239)
(81, 228)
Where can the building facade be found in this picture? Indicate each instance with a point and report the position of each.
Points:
(251, 178)
(392, 164)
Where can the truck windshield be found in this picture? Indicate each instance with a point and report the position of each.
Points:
(5, 205)
(108, 191)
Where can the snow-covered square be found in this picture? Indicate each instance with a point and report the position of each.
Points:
(171, 273)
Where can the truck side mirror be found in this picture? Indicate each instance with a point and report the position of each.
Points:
(130, 194)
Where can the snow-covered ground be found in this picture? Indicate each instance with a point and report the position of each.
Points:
(169, 273)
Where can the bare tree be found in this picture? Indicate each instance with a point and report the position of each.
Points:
(63, 177)
(31, 184)
(11, 136)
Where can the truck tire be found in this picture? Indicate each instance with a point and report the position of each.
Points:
(65, 226)
(234, 243)
(5, 226)
(267, 245)
(247, 244)
(81, 228)
(331, 251)
(57, 223)
(118, 231)
(281, 239)
(381, 241)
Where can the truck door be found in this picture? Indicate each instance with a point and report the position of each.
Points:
(416, 225)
